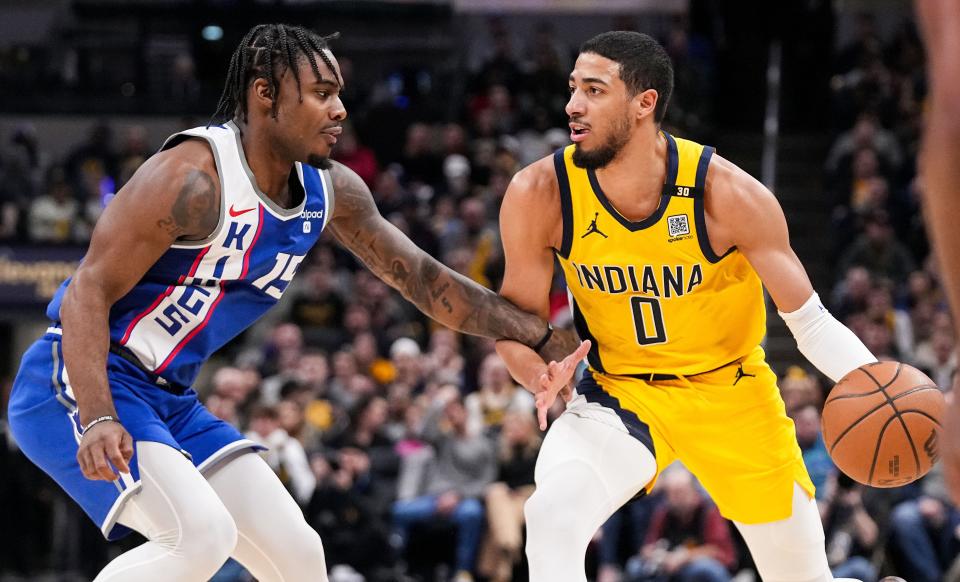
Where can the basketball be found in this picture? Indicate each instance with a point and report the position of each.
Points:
(881, 424)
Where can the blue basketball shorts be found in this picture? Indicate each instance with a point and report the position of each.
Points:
(45, 424)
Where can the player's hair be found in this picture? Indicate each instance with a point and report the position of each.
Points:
(265, 52)
(643, 63)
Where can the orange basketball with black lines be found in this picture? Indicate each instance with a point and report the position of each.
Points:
(881, 424)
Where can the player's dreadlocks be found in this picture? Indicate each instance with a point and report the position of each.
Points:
(265, 52)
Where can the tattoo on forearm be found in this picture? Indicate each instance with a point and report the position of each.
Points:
(195, 212)
(439, 292)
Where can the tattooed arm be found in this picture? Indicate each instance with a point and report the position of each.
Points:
(441, 293)
(174, 195)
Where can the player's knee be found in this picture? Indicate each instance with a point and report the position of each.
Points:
(298, 553)
(208, 534)
(545, 523)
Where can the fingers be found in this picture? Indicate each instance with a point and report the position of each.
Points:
(86, 467)
(117, 457)
(126, 447)
(101, 467)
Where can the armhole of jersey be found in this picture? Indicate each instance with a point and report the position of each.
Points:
(583, 330)
(566, 203)
(699, 211)
(177, 139)
(328, 197)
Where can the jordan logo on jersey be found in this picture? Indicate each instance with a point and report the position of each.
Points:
(593, 227)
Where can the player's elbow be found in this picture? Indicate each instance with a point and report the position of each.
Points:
(85, 294)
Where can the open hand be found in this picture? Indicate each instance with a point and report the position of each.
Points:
(557, 377)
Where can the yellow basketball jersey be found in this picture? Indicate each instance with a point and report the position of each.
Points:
(652, 295)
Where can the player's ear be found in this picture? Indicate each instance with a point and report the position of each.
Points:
(263, 92)
(645, 102)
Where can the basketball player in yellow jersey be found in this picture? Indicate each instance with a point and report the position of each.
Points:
(665, 247)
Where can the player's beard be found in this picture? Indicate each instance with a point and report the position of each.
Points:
(606, 153)
(319, 162)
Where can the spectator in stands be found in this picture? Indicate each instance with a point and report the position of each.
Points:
(497, 395)
(851, 532)
(92, 160)
(52, 214)
(353, 531)
(815, 457)
(850, 294)
(867, 133)
(465, 465)
(419, 160)
(923, 531)
(878, 251)
(518, 446)
(880, 310)
(407, 360)
(318, 308)
(938, 358)
(799, 388)
(688, 540)
(356, 156)
(284, 454)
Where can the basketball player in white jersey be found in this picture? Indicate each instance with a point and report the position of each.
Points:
(203, 239)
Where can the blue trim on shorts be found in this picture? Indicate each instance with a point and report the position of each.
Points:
(590, 389)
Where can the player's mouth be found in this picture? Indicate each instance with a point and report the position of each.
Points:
(331, 133)
(578, 132)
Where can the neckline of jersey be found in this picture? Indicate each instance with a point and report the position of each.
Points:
(274, 208)
(672, 162)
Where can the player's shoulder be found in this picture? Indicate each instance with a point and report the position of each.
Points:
(185, 160)
(344, 178)
(729, 186)
(536, 184)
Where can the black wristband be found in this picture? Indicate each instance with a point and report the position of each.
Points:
(546, 337)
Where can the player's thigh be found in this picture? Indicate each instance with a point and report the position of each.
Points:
(622, 462)
(275, 541)
(743, 449)
(790, 549)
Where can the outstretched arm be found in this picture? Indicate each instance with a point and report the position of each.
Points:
(436, 290)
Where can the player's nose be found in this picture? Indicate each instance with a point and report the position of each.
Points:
(575, 105)
(339, 111)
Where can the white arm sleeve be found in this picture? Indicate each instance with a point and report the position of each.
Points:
(825, 342)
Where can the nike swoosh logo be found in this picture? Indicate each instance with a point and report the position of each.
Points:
(236, 213)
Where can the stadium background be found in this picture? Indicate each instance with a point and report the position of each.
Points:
(447, 100)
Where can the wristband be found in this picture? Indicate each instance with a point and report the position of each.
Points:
(95, 421)
(546, 337)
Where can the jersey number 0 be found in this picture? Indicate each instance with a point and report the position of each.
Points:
(648, 320)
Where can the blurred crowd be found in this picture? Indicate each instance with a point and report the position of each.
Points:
(409, 447)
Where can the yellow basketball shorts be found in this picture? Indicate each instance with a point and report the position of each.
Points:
(727, 426)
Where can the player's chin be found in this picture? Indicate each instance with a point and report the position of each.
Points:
(320, 160)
